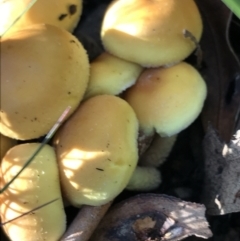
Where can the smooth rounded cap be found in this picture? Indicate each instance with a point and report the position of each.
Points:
(37, 185)
(111, 75)
(167, 100)
(44, 69)
(150, 33)
(5, 144)
(97, 150)
(61, 13)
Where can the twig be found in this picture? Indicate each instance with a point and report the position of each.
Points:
(45, 141)
(41, 206)
(199, 53)
(85, 223)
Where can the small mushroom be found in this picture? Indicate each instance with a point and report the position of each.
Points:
(97, 150)
(62, 13)
(44, 69)
(167, 100)
(111, 75)
(146, 176)
(150, 33)
(37, 185)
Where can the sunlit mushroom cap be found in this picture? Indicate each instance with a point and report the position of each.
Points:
(37, 185)
(61, 13)
(167, 100)
(150, 33)
(97, 150)
(111, 75)
(44, 69)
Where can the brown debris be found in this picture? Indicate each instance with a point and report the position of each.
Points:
(221, 69)
(152, 217)
(222, 174)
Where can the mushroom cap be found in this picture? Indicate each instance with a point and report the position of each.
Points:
(150, 33)
(167, 100)
(44, 69)
(97, 150)
(37, 185)
(111, 75)
(61, 13)
(5, 144)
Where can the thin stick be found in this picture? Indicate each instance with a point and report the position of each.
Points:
(83, 226)
(199, 53)
(20, 13)
(41, 206)
(45, 141)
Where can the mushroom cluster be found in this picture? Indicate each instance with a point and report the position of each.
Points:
(169, 93)
(127, 103)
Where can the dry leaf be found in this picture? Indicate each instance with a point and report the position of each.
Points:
(221, 71)
(222, 174)
(152, 217)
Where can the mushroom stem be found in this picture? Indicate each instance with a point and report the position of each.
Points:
(144, 142)
(144, 179)
(158, 151)
(85, 223)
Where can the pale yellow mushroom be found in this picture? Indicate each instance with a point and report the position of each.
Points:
(44, 69)
(111, 75)
(97, 150)
(60, 13)
(150, 33)
(167, 100)
(37, 185)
